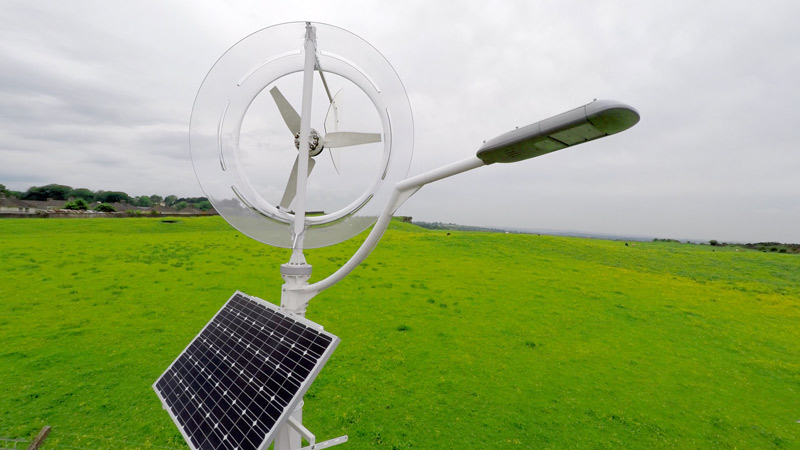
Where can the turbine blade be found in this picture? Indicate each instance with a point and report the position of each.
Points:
(288, 113)
(334, 113)
(336, 157)
(291, 185)
(332, 125)
(324, 81)
(348, 138)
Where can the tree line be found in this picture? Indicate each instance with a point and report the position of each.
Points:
(63, 192)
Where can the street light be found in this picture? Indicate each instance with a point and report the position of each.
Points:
(598, 119)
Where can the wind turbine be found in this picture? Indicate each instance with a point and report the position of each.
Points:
(316, 144)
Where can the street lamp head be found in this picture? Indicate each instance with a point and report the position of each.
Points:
(586, 123)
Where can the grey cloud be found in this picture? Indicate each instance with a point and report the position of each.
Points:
(99, 95)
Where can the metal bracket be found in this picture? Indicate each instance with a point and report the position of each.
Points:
(326, 444)
(308, 436)
(302, 430)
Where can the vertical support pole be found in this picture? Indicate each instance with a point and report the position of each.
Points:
(310, 49)
(297, 272)
(288, 438)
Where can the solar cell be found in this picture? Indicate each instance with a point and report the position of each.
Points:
(237, 382)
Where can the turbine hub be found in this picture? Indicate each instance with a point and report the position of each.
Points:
(315, 146)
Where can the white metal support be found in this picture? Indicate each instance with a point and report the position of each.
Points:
(288, 438)
(296, 273)
(403, 190)
(312, 440)
(326, 444)
(310, 49)
(307, 435)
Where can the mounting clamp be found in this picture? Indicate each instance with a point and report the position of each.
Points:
(312, 440)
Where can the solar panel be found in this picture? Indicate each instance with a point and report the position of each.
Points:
(238, 381)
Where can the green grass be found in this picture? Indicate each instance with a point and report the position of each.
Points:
(472, 340)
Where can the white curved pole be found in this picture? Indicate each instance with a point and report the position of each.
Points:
(403, 190)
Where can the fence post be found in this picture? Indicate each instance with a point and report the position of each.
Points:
(39, 438)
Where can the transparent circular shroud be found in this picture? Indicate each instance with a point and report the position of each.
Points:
(230, 88)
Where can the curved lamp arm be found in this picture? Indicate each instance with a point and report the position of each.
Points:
(402, 192)
(583, 124)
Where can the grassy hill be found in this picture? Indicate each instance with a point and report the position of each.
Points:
(466, 340)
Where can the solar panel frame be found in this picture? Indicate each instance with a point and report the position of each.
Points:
(213, 400)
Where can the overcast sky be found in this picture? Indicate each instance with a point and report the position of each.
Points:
(98, 94)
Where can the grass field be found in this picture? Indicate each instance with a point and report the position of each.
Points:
(467, 340)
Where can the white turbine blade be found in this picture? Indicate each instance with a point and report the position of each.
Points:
(334, 113)
(324, 81)
(336, 157)
(291, 185)
(348, 138)
(288, 113)
(332, 125)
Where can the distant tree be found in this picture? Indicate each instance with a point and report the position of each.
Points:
(105, 207)
(112, 197)
(713, 242)
(77, 204)
(170, 200)
(180, 205)
(143, 201)
(192, 200)
(156, 199)
(50, 191)
(83, 193)
(205, 205)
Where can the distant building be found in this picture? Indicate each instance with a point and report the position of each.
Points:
(13, 205)
(46, 205)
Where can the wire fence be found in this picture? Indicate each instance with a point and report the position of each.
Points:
(13, 444)
(67, 440)
(61, 440)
